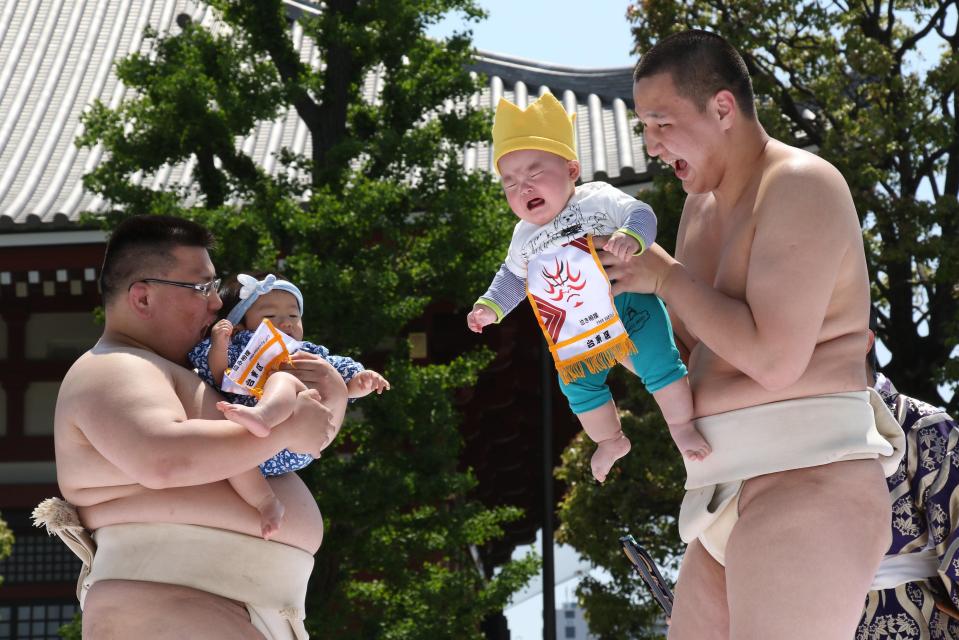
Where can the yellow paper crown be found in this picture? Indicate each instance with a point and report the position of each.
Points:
(543, 125)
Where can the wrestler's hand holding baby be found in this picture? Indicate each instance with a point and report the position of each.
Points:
(280, 302)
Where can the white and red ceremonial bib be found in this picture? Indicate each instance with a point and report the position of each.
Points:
(266, 350)
(573, 302)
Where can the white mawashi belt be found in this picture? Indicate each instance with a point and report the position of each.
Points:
(907, 567)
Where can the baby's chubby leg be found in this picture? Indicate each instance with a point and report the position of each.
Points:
(675, 400)
(658, 361)
(276, 405)
(256, 492)
(591, 401)
(603, 427)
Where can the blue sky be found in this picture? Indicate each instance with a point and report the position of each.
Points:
(563, 32)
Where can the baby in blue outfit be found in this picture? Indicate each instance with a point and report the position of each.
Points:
(250, 300)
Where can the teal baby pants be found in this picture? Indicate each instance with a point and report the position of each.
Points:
(657, 360)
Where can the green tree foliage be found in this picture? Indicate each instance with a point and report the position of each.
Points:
(72, 630)
(641, 496)
(872, 87)
(376, 223)
(6, 542)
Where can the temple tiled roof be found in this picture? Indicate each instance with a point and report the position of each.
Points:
(608, 146)
(56, 57)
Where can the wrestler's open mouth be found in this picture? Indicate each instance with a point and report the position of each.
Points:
(680, 165)
(535, 202)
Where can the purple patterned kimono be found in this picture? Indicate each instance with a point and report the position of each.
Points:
(925, 519)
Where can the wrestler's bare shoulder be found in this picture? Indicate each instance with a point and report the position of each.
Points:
(113, 369)
(100, 392)
(104, 366)
(780, 166)
(794, 174)
(780, 157)
(115, 360)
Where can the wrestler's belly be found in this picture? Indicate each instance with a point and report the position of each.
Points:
(216, 505)
(835, 367)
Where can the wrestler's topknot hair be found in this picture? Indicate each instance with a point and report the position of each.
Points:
(141, 247)
(700, 64)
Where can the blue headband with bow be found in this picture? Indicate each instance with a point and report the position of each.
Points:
(251, 289)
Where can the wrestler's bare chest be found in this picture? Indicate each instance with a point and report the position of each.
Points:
(716, 247)
(717, 250)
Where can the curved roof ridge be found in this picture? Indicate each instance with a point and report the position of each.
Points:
(517, 61)
(608, 83)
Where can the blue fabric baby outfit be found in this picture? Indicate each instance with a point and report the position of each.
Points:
(286, 460)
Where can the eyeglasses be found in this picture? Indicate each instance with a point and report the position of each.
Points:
(205, 288)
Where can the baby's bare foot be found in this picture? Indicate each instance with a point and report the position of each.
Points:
(271, 514)
(607, 453)
(246, 416)
(690, 441)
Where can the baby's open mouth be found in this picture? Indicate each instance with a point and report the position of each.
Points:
(535, 202)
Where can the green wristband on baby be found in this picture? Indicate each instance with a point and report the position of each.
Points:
(495, 308)
(635, 236)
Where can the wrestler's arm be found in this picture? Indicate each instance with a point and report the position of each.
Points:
(685, 341)
(128, 410)
(805, 220)
(618, 270)
(316, 373)
(680, 338)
